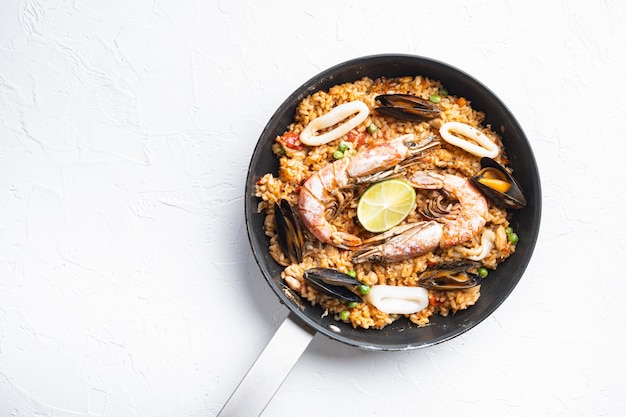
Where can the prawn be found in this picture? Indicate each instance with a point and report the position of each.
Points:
(416, 239)
(320, 191)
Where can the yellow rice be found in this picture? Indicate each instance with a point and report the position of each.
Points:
(296, 165)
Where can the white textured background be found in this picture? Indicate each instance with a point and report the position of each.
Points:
(127, 287)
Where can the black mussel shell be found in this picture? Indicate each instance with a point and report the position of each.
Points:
(450, 276)
(407, 107)
(289, 231)
(491, 175)
(332, 283)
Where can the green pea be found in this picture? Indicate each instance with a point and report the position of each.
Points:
(512, 238)
(352, 273)
(372, 128)
(343, 146)
(435, 98)
(508, 230)
(282, 151)
(443, 92)
(352, 304)
(483, 272)
(337, 154)
(344, 315)
(364, 289)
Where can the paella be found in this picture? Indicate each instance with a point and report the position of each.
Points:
(392, 199)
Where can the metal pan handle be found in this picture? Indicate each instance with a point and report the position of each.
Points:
(269, 371)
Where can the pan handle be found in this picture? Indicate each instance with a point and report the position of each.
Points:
(269, 371)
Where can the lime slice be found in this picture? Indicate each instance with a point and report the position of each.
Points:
(385, 204)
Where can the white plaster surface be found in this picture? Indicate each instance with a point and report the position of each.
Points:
(127, 286)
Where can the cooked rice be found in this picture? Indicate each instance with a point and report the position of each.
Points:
(297, 165)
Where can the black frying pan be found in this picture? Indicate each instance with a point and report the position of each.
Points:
(402, 334)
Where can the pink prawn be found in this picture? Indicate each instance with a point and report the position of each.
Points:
(321, 190)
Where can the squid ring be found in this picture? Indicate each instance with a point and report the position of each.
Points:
(340, 113)
(393, 299)
(486, 147)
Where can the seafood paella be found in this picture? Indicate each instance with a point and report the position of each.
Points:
(392, 200)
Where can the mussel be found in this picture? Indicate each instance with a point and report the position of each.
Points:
(333, 283)
(499, 185)
(407, 107)
(289, 231)
(450, 276)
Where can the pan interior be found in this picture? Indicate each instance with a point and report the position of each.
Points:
(402, 334)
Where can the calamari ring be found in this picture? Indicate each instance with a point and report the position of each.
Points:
(393, 299)
(357, 108)
(487, 147)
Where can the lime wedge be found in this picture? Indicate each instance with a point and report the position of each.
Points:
(385, 204)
